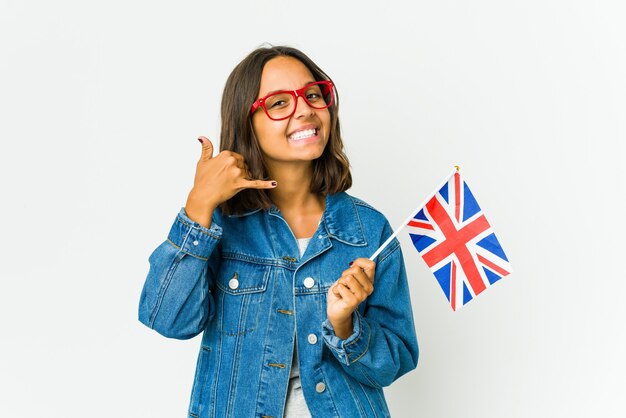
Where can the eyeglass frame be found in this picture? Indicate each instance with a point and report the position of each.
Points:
(295, 94)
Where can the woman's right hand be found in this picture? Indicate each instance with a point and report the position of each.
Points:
(218, 179)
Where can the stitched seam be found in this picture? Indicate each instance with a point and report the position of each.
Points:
(364, 204)
(197, 386)
(235, 334)
(263, 359)
(213, 402)
(243, 313)
(181, 220)
(163, 289)
(369, 336)
(396, 245)
(360, 202)
(233, 374)
(356, 340)
(186, 252)
(381, 399)
(359, 244)
(239, 324)
(206, 352)
(313, 290)
(259, 260)
(369, 401)
(358, 218)
(246, 290)
(356, 399)
(358, 337)
(330, 392)
(369, 378)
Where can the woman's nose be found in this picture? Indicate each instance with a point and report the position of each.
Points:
(302, 108)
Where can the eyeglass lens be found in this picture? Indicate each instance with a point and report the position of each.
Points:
(282, 105)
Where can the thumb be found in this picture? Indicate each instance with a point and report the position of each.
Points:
(207, 148)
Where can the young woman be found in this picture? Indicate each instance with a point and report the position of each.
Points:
(268, 259)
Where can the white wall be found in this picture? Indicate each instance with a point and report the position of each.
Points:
(100, 105)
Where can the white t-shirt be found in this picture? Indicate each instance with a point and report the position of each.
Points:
(295, 405)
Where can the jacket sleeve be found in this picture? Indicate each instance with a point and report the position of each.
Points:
(176, 298)
(383, 345)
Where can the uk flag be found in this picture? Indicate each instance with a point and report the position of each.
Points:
(457, 243)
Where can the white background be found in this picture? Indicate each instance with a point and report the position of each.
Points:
(100, 107)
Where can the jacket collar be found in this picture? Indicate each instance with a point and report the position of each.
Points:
(342, 221)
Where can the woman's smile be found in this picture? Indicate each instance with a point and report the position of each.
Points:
(304, 135)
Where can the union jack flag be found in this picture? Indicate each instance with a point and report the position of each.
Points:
(457, 243)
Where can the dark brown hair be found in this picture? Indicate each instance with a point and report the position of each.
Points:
(331, 171)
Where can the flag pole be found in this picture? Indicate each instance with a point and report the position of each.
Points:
(412, 214)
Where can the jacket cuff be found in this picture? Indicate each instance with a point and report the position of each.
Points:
(192, 238)
(355, 346)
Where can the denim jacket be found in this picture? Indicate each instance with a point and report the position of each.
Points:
(244, 285)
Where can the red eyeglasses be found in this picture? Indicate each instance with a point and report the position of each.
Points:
(282, 104)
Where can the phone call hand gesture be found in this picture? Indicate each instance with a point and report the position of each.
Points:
(218, 179)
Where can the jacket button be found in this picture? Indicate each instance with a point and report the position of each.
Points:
(320, 387)
(309, 282)
(233, 283)
(195, 242)
(312, 338)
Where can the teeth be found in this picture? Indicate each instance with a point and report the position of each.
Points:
(307, 133)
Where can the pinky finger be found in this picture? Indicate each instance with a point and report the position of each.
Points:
(259, 184)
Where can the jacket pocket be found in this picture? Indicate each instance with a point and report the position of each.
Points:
(241, 291)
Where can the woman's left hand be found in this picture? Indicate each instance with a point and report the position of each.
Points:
(344, 296)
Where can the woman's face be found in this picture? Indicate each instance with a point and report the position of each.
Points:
(301, 137)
